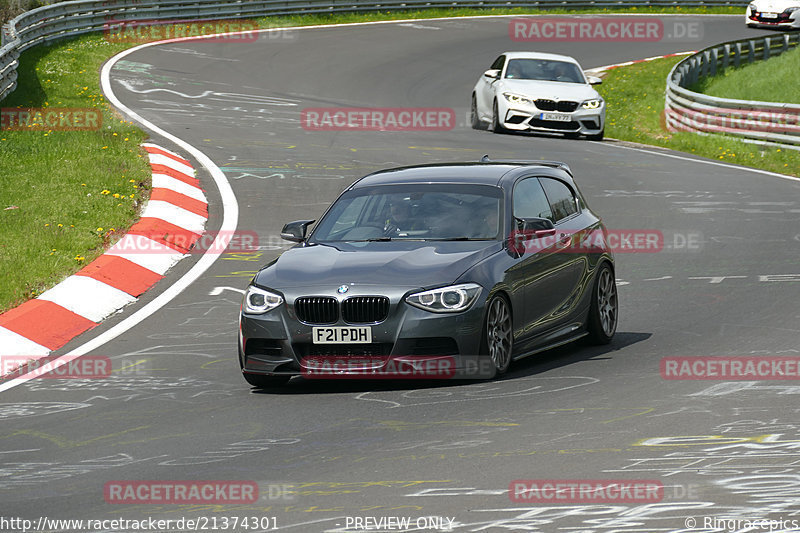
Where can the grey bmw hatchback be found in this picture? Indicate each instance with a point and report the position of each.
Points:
(442, 268)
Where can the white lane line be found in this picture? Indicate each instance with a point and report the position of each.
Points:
(693, 160)
(230, 217)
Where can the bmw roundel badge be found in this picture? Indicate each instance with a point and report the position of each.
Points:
(343, 289)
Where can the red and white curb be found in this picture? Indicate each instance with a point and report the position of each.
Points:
(600, 70)
(172, 221)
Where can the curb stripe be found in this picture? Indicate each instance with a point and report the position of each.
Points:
(121, 274)
(175, 215)
(181, 200)
(87, 297)
(167, 161)
(169, 171)
(161, 231)
(163, 181)
(152, 149)
(16, 344)
(45, 323)
(146, 253)
(172, 221)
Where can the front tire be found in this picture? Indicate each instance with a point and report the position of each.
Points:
(498, 334)
(475, 120)
(597, 136)
(497, 126)
(604, 310)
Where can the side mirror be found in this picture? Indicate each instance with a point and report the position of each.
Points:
(493, 73)
(530, 229)
(537, 227)
(296, 231)
(594, 80)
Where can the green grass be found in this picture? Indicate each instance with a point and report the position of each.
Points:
(775, 80)
(635, 100)
(57, 205)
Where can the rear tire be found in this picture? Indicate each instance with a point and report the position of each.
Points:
(604, 310)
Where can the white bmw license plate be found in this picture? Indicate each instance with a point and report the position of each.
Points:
(769, 15)
(555, 116)
(341, 335)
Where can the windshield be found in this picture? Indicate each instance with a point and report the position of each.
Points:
(544, 70)
(413, 212)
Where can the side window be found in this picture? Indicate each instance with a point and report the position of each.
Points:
(530, 200)
(562, 200)
(498, 63)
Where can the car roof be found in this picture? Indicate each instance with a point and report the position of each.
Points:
(495, 173)
(539, 55)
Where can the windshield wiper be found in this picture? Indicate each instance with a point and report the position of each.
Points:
(463, 239)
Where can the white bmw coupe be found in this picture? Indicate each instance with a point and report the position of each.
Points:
(779, 14)
(529, 91)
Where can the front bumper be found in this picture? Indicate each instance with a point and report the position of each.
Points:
(783, 22)
(279, 343)
(520, 117)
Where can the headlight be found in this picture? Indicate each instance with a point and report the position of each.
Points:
(753, 7)
(258, 301)
(446, 299)
(791, 10)
(517, 99)
(592, 104)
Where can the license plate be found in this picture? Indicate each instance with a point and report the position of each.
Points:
(555, 116)
(769, 15)
(341, 335)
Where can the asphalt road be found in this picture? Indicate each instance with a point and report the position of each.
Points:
(326, 453)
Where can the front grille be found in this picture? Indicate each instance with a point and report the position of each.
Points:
(565, 106)
(317, 309)
(375, 349)
(365, 309)
(554, 124)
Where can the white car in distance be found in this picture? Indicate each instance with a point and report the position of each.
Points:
(529, 91)
(778, 14)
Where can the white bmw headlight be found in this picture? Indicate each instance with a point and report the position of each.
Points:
(517, 99)
(753, 7)
(258, 301)
(450, 299)
(791, 9)
(593, 104)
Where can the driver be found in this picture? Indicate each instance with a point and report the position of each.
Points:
(400, 219)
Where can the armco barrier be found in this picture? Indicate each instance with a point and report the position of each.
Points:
(764, 122)
(66, 19)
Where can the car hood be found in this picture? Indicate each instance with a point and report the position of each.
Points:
(552, 90)
(409, 264)
(776, 6)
